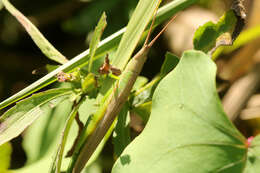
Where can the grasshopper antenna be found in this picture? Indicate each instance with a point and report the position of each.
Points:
(151, 26)
(160, 33)
(148, 45)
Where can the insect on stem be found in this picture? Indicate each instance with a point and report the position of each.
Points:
(114, 102)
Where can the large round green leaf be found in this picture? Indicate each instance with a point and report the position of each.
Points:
(187, 131)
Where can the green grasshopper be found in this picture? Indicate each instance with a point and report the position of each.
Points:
(114, 101)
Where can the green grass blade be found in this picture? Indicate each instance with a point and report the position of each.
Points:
(45, 46)
(59, 155)
(96, 39)
(15, 120)
(107, 44)
(170, 9)
(138, 23)
(142, 15)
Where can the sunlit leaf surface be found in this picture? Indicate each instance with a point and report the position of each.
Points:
(187, 129)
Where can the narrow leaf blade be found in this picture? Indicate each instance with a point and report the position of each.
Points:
(141, 17)
(16, 119)
(96, 39)
(45, 133)
(64, 136)
(45, 46)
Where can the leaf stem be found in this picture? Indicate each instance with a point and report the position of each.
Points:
(58, 159)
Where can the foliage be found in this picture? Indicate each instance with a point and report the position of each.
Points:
(46, 47)
(206, 36)
(187, 126)
(16, 119)
(108, 44)
(5, 157)
(184, 121)
(96, 39)
(244, 38)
